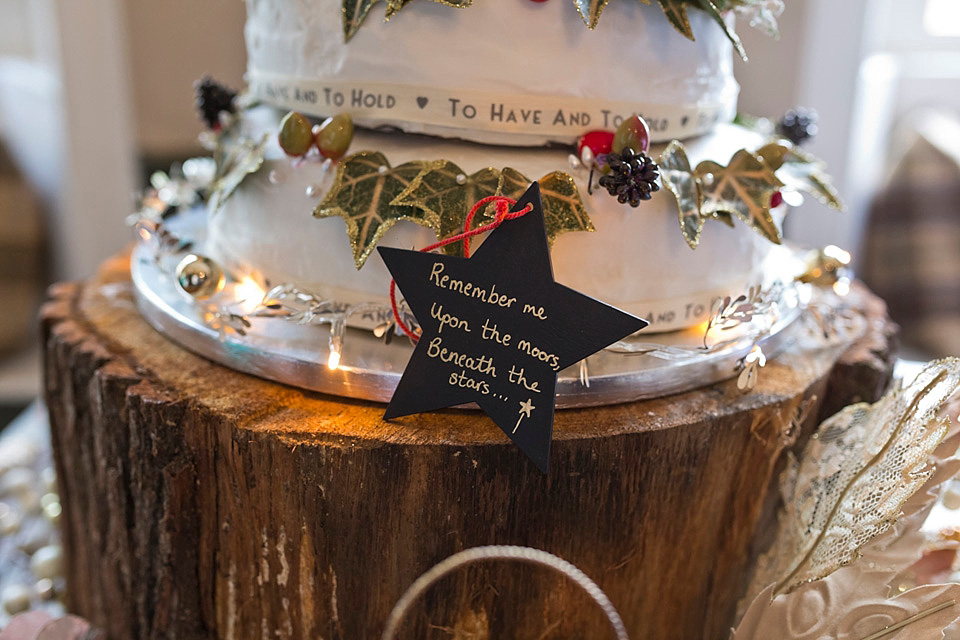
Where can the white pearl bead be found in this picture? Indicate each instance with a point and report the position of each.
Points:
(45, 589)
(47, 562)
(10, 521)
(16, 598)
(951, 498)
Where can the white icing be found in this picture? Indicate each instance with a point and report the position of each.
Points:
(636, 259)
(509, 48)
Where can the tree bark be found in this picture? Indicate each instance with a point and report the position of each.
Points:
(199, 502)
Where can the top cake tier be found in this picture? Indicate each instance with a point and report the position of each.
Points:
(517, 73)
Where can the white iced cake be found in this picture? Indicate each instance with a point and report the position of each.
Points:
(500, 85)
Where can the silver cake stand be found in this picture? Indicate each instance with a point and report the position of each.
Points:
(369, 369)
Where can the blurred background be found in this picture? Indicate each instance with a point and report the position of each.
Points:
(95, 95)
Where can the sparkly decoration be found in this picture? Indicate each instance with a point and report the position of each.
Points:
(236, 159)
(750, 369)
(296, 134)
(514, 384)
(440, 195)
(563, 208)
(632, 178)
(362, 195)
(827, 266)
(801, 171)
(760, 13)
(334, 135)
(355, 12)
(743, 188)
(590, 10)
(678, 177)
(213, 99)
(798, 125)
(633, 133)
(850, 531)
(200, 276)
(855, 477)
(676, 13)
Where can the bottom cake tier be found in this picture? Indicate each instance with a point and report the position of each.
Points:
(199, 502)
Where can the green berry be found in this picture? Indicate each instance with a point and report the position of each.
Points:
(632, 133)
(296, 136)
(334, 136)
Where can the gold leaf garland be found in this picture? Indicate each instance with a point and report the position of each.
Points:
(355, 12)
(362, 194)
(235, 160)
(801, 171)
(743, 188)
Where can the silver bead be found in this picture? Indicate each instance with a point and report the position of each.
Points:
(382, 169)
(16, 598)
(199, 276)
(574, 161)
(707, 179)
(47, 562)
(313, 191)
(45, 589)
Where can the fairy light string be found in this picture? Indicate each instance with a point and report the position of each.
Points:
(503, 214)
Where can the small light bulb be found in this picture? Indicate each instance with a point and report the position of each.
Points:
(333, 362)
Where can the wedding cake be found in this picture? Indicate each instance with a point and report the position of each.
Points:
(254, 509)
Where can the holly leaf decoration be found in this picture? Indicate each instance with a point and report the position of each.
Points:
(743, 188)
(235, 160)
(801, 171)
(676, 13)
(712, 8)
(678, 177)
(590, 10)
(362, 192)
(354, 13)
(447, 194)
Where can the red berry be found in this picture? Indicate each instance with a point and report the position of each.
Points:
(776, 200)
(599, 141)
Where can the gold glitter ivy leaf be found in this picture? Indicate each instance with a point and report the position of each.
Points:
(354, 13)
(563, 208)
(854, 478)
(447, 194)
(590, 10)
(801, 171)
(679, 179)
(235, 159)
(744, 188)
(676, 12)
(362, 192)
(710, 6)
(394, 6)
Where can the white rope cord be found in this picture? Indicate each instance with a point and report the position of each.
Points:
(502, 552)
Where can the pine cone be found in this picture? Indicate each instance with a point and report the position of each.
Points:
(212, 98)
(798, 125)
(632, 177)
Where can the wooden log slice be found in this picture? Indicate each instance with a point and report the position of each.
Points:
(203, 503)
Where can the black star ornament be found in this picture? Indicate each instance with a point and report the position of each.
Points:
(497, 329)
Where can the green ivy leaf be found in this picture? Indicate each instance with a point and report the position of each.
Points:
(354, 13)
(801, 171)
(437, 192)
(678, 177)
(710, 6)
(743, 188)
(362, 192)
(590, 10)
(676, 12)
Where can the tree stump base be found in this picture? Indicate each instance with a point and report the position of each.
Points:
(199, 502)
